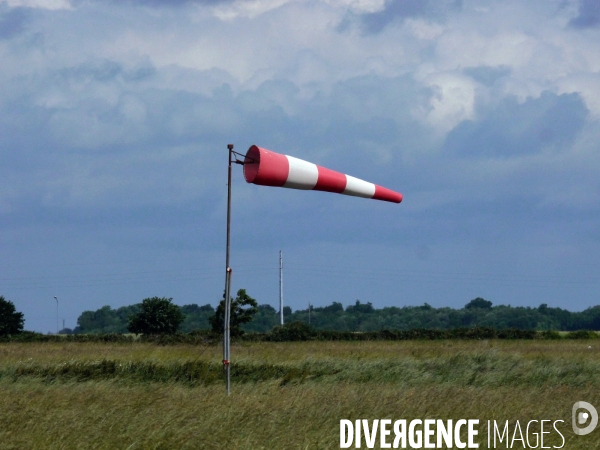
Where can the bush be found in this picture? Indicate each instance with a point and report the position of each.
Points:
(582, 334)
(549, 334)
(294, 331)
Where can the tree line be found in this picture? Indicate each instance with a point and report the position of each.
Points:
(159, 315)
(354, 317)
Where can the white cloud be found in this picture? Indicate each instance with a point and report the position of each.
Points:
(452, 102)
(42, 4)
(588, 85)
(425, 30)
(247, 8)
(300, 42)
(363, 6)
(188, 50)
(253, 8)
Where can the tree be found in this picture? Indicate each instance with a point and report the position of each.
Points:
(264, 320)
(335, 307)
(196, 317)
(239, 314)
(11, 321)
(366, 308)
(156, 316)
(479, 303)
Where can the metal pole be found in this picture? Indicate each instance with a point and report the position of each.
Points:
(309, 314)
(226, 333)
(56, 298)
(280, 288)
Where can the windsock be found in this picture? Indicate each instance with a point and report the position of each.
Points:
(268, 168)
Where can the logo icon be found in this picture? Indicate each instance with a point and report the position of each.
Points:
(582, 417)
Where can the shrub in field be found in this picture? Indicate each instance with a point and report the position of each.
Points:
(295, 331)
(106, 337)
(200, 337)
(298, 331)
(549, 334)
(515, 333)
(30, 336)
(26, 336)
(11, 321)
(582, 334)
(243, 309)
(156, 316)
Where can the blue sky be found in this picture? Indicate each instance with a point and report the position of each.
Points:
(116, 115)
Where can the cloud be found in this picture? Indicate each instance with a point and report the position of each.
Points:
(12, 22)
(487, 75)
(515, 129)
(394, 10)
(172, 3)
(589, 14)
(99, 144)
(41, 4)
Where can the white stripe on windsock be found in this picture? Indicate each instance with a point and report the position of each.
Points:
(302, 174)
(359, 188)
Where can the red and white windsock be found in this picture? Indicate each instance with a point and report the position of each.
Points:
(268, 168)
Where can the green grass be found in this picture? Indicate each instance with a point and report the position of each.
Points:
(284, 395)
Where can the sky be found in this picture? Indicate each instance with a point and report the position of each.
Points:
(115, 118)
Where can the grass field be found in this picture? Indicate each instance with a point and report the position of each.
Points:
(284, 395)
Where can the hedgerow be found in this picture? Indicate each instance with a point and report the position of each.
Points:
(298, 331)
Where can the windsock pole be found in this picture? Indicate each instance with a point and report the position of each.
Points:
(228, 273)
(227, 312)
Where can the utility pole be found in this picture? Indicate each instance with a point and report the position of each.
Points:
(56, 298)
(309, 314)
(280, 288)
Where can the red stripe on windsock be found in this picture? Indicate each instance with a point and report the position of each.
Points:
(330, 181)
(387, 195)
(273, 171)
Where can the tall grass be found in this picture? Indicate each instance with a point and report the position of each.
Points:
(284, 395)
